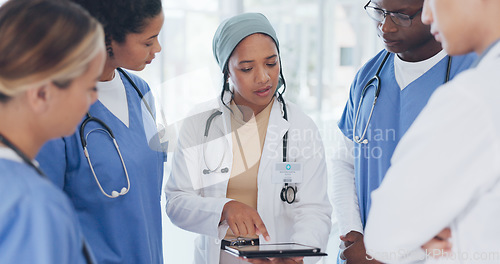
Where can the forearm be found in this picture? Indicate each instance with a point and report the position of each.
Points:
(344, 197)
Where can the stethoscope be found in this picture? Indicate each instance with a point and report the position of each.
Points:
(109, 132)
(376, 82)
(288, 193)
(24, 157)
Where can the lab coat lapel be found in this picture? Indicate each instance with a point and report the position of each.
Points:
(273, 145)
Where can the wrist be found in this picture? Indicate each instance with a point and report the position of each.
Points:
(355, 236)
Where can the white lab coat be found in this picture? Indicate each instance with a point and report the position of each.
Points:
(445, 173)
(195, 200)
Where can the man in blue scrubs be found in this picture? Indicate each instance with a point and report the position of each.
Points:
(414, 66)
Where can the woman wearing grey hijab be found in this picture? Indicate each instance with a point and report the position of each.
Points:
(249, 164)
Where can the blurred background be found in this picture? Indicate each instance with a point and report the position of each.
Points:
(323, 44)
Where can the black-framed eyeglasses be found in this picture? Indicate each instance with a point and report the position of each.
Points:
(379, 14)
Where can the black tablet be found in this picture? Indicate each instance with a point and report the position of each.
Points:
(281, 250)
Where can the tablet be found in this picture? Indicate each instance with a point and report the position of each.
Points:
(281, 250)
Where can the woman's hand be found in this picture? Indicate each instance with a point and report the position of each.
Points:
(243, 220)
(439, 245)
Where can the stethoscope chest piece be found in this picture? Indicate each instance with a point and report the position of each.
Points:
(107, 131)
(288, 193)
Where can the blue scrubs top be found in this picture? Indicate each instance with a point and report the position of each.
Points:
(126, 229)
(37, 221)
(394, 113)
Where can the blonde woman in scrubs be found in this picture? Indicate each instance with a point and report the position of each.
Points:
(47, 84)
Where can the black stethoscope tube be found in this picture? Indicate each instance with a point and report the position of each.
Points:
(107, 128)
(23, 156)
(375, 81)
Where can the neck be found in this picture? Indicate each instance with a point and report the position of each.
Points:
(24, 141)
(486, 43)
(19, 127)
(108, 72)
(248, 112)
(424, 52)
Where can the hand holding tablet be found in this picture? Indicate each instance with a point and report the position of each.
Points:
(280, 250)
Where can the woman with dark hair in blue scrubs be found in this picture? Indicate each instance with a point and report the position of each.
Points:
(108, 168)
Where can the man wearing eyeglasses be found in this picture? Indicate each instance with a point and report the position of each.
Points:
(386, 96)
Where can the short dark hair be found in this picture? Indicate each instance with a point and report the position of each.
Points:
(121, 17)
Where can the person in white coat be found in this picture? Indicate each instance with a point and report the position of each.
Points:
(445, 172)
(224, 182)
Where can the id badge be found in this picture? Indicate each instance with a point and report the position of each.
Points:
(287, 172)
